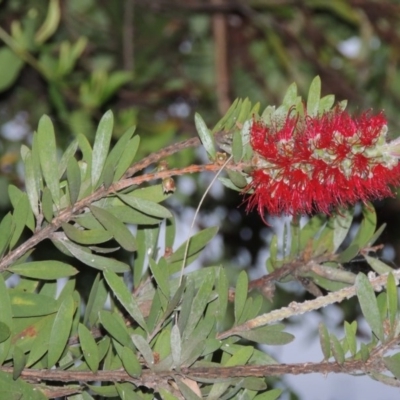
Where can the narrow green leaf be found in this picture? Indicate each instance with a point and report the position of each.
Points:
(125, 297)
(176, 346)
(326, 103)
(377, 265)
(271, 335)
(206, 136)
(16, 195)
(392, 299)
(270, 395)
(113, 225)
(314, 95)
(144, 349)
(31, 304)
(146, 206)
(341, 225)
(68, 155)
(4, 332)
(101, 146)
(127, 158)
(393, 364)
(47, 270)
(187, 392)
(93, 236)
(14, 65)
(115, 328)
(240, 294)
(73, 179)
(48, 156)
(131, 363)
(95, 261)
(31, 184)
(324, 340)
(351, 330)
(6, 318)
(237, 146)
(11, 389)
(40, 344)
(19, 360)
(222, 287)
(87, 153)
(97, 297)
(199, 303)
(369, 305)
(337, 350)
(7, 227)
(20, 218)
(197, 243)
(160, 274)
(290, 96)
(47, 205)
(60, 331)
(89, 347)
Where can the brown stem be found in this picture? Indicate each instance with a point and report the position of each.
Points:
(152, 379)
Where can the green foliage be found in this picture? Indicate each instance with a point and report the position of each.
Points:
(148, 316)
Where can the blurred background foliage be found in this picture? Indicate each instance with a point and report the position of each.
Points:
(155, 63)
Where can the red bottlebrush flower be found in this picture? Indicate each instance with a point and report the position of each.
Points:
(317, 164)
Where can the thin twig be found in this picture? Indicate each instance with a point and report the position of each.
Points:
(295, 308)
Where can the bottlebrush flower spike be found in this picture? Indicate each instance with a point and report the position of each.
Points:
(316, 164)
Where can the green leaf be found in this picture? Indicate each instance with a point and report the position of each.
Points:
(270, 395)
(6, 319)
(187, 392)
(7, 227)
(113, 225)
(392, 299)
(11, 389)
(16, 195)
(47, 270)
(40, 343)
(326, 103)
(206, 136)
(14, 65)
(337, 350)
(115, 328)
(153, 193)
(160, 274)
(51, 22)
(95, 261)
(60, 331)
(393, 364)
(47, 205)
(97, 297)
(19, 360)
(237, 146)
(93, 236)
(48, 156)
(271, 335)
(144, 349)
(314, 95)
(89, 348)
(125, 297)
(341, 225)
(222, 288)
(377, 265)
(146, 206)
(197, 243)
(4, 332)
(73, 179)
(351, 330)
(199, 303)
(31, 184)
(369, 305)
(176, 346)
(31, 304)
(20, 218)
(290, 96)
(68, 155)
(240, 295)
(127, 158)
(131, 363)
(101, 146)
